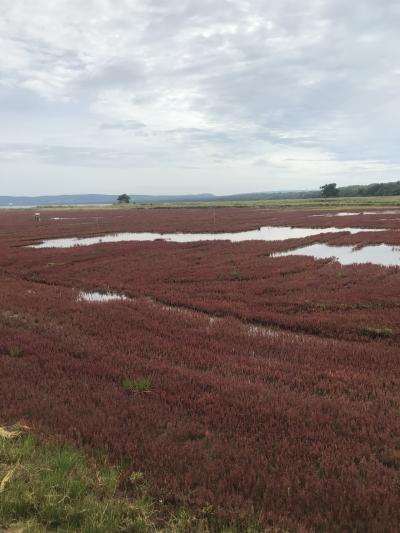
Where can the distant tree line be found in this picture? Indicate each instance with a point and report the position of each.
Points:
(375, 189)
(330, 190)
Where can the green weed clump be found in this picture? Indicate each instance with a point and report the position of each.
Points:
(139, 385)
(15, 351)
(376, 333)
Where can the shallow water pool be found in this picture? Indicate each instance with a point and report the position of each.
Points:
(265, 233)
(381, 254)
(100, 297)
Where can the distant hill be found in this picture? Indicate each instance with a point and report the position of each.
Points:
(88, 199)
(73, 199)
(93, 199)
(374, 189)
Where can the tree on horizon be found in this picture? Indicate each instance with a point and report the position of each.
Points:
(329, 190)
(123, 199)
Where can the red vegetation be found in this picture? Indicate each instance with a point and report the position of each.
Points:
(302, 430)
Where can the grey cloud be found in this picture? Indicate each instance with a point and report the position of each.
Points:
(260, 163)
(194, 135)
(124, 126)
(115, 74)
(82, 156)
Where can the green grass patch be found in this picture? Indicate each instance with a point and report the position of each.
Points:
(56, 488)
(15, 351)
(138, 385)
(46, 487)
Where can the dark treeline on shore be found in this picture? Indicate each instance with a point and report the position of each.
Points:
(375, 189)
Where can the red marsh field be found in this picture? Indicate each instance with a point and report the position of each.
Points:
(264, 385)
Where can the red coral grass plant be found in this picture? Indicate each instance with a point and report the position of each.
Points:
(294, 421)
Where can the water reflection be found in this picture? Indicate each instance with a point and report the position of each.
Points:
(100, 297)
(63, 218)
(353, 213)
(381, 254)
(266, 233)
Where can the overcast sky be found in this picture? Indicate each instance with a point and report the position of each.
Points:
(191, 96)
